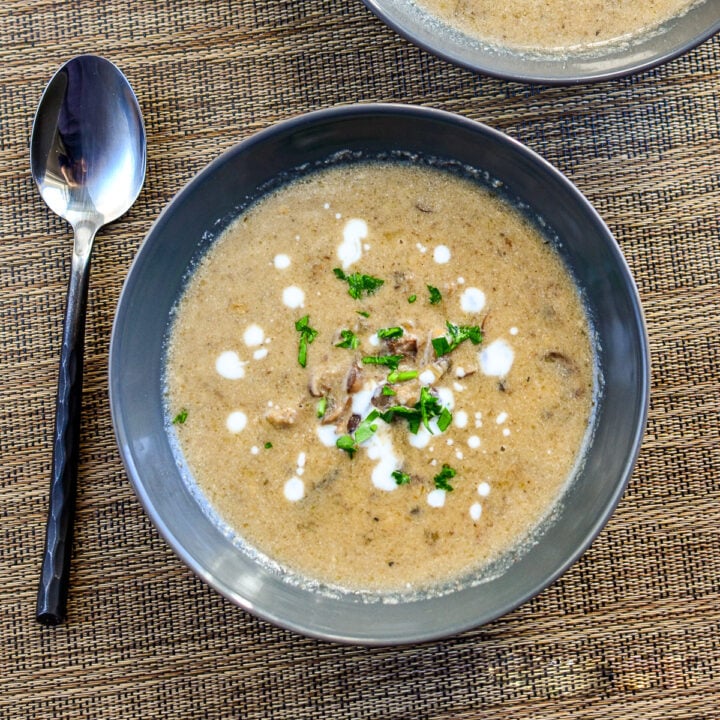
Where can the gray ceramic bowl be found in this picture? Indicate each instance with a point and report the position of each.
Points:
(673, 38)
(201, 211)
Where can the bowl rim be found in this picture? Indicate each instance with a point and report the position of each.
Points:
(294, 124)
(457, 55)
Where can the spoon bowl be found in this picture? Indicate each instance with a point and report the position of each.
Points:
(87, 157)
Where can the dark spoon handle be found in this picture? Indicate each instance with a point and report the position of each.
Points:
(53, 589)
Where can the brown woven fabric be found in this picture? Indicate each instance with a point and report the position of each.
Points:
(631, 631)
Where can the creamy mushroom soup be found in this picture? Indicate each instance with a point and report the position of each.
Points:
(555, 24)
(381, 377)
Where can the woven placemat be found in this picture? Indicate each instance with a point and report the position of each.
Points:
(631, 631)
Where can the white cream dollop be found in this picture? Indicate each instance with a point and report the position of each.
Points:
(497, 358)
(483, 489)
(281, 261)
(294, 489)
(436, 498)
(236, 421)
(229, 365)
(293, 297)
(460, 418)
(441, 254)
(253, 335)
(350, 249)
(327, 435)
(380, 447)
(472, 300)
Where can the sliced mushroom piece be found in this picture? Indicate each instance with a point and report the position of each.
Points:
(343, 417)
(281, 417)
(406, 345)
(440, 367)
(336, 409)
(382, 401)
(353, 422)
(407, 393)
(353, 379)
(565, 365)
(327, 378)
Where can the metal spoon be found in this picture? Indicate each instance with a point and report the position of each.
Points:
(87, 156)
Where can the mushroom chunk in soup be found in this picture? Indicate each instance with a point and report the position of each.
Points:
(384, 375)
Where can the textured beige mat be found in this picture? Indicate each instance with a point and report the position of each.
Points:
(631, 631)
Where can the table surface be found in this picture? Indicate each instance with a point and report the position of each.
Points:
(631, 631)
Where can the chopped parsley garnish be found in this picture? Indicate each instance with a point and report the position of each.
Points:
(359, 283)
(428, 405)
(363, 432)
(425, 409)
(366, 428)
(444, 420)
(412, 299)
(268, 445)
(390, 333)
(412, 415)
(456, 335)
(387, 390)
(321, 407)
(441, 480)
(391, 361)
(400, 477)
(349, 340)
(307, 335)
(347, 443)
(402, 375)
(435, 296)
(180, 418)
(364, 313)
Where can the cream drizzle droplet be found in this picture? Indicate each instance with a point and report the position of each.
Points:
(441, 254)
(229, 365)
(293, 297)
(294, 489)
(253, 335)
(236, 421)
(281, 261)
(496, 359)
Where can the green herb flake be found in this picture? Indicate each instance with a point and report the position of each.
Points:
(347, 443)
(387, 390)
(411, 415)
(400, 477)
(391, 361)
(429, 406)
(180, 418)
(364, 313)
(456, 334)
(435, 296)
(402, 375)
(366, 428)
(390, 333)
(425, 409)
(349, 340)
(307, 335)
(442, 479)
(412, 299)
(359, 283)
(268, 445)
(444, 420)
(321, 407)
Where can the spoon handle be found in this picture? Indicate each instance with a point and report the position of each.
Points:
(53, 588)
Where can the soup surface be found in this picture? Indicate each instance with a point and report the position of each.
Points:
(554, 24)
(381, 377)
